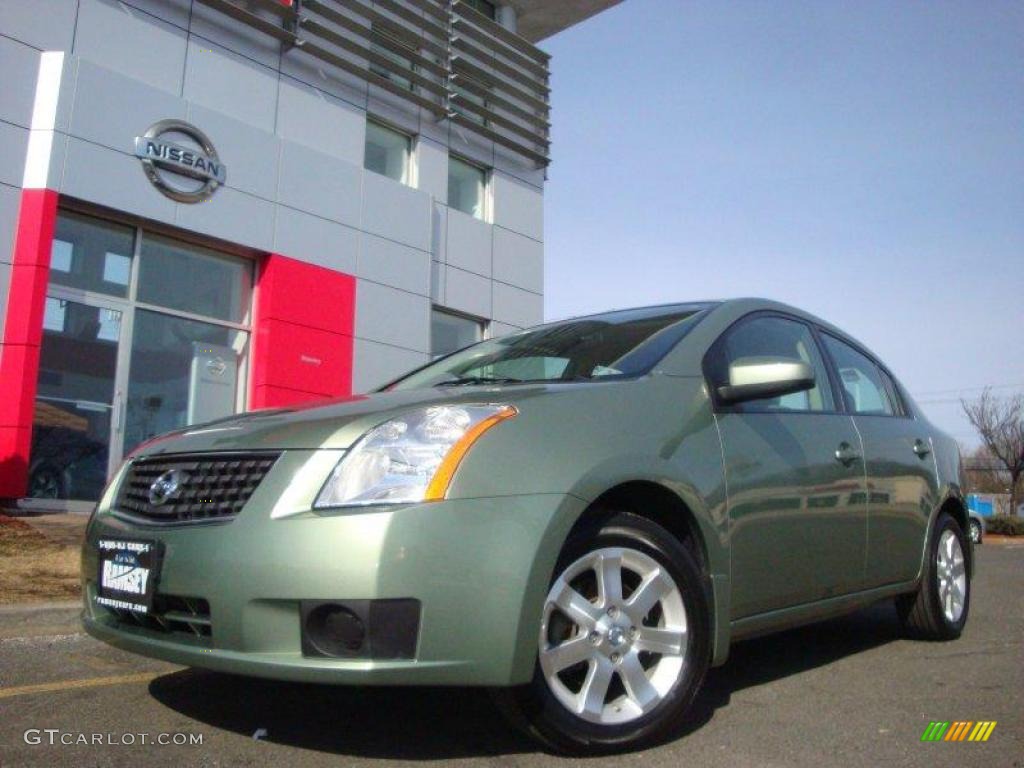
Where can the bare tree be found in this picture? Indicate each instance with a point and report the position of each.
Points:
(1000, 424)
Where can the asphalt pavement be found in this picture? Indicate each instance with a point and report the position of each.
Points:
(850, 692)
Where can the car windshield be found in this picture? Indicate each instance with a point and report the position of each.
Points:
(613, 345)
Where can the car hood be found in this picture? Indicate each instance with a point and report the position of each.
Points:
(333, 424)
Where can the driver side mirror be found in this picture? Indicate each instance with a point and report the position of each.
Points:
(757, 378)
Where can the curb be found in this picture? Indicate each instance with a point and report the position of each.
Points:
(28, 609)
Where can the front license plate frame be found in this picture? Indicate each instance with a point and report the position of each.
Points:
(127, 572)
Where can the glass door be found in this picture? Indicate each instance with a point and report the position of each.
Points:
(76, 400)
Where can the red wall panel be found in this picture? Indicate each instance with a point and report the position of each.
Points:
(23, 329)
(302, 348)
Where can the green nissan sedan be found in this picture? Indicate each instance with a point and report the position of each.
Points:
(581, 516)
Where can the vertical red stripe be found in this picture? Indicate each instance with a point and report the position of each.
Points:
(23, 327)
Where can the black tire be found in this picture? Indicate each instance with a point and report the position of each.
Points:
(921, 612)
(535, 709)
(975, 530)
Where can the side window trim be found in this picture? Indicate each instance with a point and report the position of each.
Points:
(838, 405)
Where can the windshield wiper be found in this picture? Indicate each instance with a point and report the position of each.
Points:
(471, 380)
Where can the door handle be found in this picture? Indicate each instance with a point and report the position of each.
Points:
(845, 454)
(921, 448)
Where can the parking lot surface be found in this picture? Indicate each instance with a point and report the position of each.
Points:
(849, 692)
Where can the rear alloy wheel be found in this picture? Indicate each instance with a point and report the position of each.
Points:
(623, 641)
(938, 610)
(975, 528)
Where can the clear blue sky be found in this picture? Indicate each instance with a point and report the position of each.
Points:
(864, 161)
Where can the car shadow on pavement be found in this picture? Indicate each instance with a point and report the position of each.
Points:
(445, 723)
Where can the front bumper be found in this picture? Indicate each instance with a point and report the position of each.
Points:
(480, 569)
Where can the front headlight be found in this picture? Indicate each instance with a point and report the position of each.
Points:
(409, 459)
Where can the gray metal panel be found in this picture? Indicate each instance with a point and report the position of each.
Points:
(467, 292)
(112, 109)
(318, 183)
(233, 216)
(469, 243)
(48, 25)
(114, 179)
(518, 206)
(518, 260)
(315, 240)
(10, 200)
(376, 364)
(439, 232)
(325, 77)
(13, 143)
(392, 316)
(396, 211)
(19, 64)
(319, 120)
(390, 263)
(227, 82)
(250, 155)
(5, 288)
(217, 28)
(516, 306)
(437, 279)
(175, 12)
(131, 42)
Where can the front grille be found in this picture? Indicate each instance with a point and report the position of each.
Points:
(171, 614)
(194, 488)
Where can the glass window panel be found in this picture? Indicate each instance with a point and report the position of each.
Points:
(861, 380)
(466, 186)
(194, 280)
(449, 333)
(71, 422)
(387, 152)
(182, 372)
(53, 315)
(60, 256)
(116, 269)
(83, 247)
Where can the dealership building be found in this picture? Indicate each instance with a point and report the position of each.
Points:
(209, 206)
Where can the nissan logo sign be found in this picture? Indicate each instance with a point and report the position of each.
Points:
(166, 162)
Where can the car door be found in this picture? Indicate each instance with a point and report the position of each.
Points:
(899, 460)
(796, 486)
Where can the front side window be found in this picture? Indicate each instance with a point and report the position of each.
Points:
(614, 345)
(449, 332)
(467, 187)
(772, 337)
(387, 152)
(862, 382)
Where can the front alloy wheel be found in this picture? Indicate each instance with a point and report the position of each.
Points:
(613, 638)
(623, 644)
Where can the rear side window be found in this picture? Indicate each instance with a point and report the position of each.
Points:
(863, 385)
